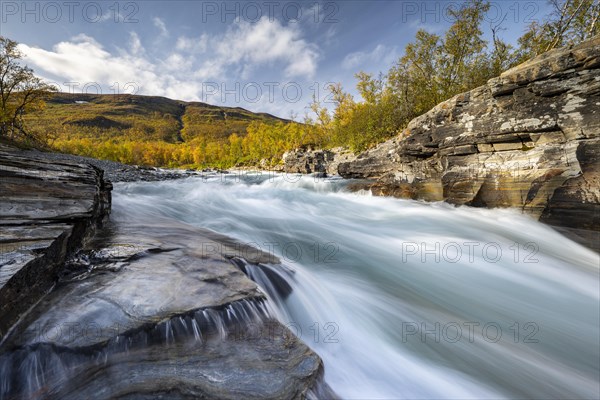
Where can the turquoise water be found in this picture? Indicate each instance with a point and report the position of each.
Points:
(404, 299)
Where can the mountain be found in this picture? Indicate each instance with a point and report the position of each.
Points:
(143, 118)
(146, 130)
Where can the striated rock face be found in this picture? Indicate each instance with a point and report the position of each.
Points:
(307, 161)
(47, 210)
(528, 139)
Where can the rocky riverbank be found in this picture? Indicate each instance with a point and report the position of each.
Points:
(48, 209)
(115, 171)
(315, 161)
(529, 139)
(91, 307)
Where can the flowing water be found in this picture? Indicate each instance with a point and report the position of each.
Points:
(404, 299)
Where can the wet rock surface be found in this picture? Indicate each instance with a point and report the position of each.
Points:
(229, 368)
(136, 275)
(528, 139)
(233, 352)
(130, 309)
(47, 210)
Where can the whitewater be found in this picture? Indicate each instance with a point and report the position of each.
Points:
(400, 298)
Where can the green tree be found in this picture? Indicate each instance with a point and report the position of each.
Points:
(569, 23)
(421, 63)
(20, 90)
(435, 68)
(463, 49)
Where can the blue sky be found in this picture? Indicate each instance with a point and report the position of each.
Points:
(269, 56)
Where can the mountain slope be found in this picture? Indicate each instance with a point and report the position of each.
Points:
(143, 130)
(145, 118)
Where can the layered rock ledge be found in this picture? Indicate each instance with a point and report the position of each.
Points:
(528, 139)
(48, 209)
(136, 309)
(315, 161)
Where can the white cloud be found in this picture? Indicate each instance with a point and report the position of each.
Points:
(159, 23)
(192, 45)
(85, 61)
(183, 72)
(246, 46)
(267, 42)
(330, 34)
(135, 44)
(380, 53)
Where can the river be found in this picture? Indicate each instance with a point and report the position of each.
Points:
(405, 299)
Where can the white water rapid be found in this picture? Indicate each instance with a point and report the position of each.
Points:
(404, 299)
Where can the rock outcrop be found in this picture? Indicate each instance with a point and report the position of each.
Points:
(167, 307)
(528, 139)
(137, 309)
(47, 210)
(308, 161)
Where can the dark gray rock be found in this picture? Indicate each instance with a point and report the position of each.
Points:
(47, 210)
(133, 274)
(165, 306)
(135, 309)
(212, 354)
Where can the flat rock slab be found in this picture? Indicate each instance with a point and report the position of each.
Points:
(140, 275)
(158, 307)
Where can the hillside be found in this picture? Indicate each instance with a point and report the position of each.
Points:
(140, 129)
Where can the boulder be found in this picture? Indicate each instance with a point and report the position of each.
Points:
(309, 161)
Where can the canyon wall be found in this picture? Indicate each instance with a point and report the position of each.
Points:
(528, 139)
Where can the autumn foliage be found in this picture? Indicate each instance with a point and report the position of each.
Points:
(161, 132)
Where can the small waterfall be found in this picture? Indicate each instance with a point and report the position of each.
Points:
(41, 369)
(272, 280)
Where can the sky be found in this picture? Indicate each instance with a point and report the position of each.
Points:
(265, 56)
